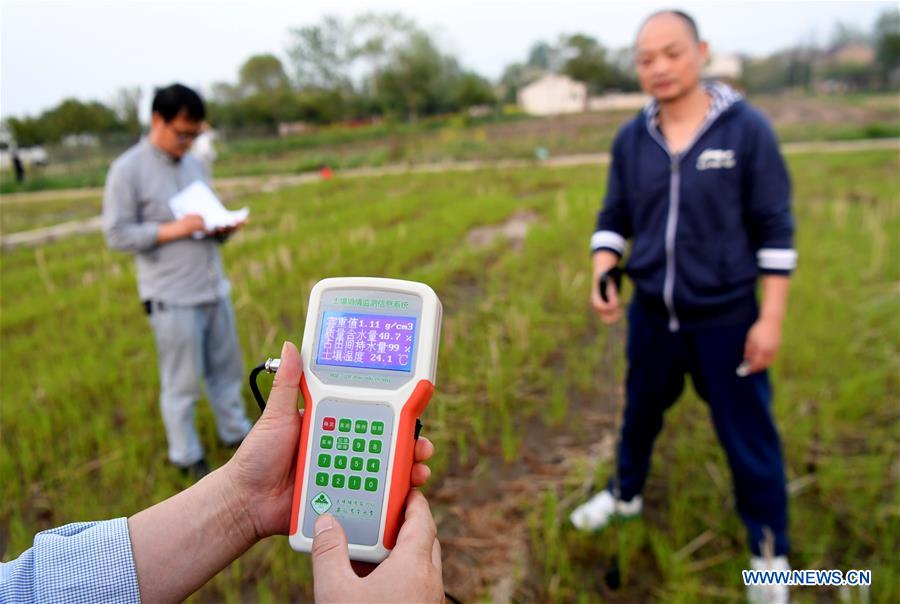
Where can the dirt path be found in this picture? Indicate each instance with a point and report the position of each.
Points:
(482, 507)
(232, 188)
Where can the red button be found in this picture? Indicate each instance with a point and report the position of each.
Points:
(328, 423)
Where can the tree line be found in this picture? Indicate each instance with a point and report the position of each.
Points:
(386, 66)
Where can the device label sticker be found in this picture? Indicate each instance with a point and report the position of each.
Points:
(321, 503)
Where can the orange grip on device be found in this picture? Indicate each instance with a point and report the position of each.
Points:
(301, 451)
(403, 459)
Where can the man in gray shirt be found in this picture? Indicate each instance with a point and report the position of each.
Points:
(180, 278)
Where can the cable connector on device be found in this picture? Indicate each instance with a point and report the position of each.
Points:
(270, 366)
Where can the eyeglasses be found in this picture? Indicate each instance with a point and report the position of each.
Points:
(185, 136)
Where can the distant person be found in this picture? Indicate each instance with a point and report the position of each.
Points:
(18, 167)
(204, 147)
(181, 281)
(698, 183)
(168, 551)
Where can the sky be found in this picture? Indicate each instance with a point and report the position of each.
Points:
(89, 50)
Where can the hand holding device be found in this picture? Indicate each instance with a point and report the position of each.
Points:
(605, 294)
(369, 357)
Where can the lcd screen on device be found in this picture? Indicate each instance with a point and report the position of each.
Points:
(366, 341)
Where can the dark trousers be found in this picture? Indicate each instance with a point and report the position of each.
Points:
(658, 361)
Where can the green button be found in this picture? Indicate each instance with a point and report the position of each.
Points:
(324, 460)
(340, 462)
(326, 442)
(344, 425)
(356, 464)
(359, 445)
(374, 446)
(343, 443)
(322, 479)
(361, 426)
(337, 481)
(372, 465)
(354, 482)
(377, 428)
(371, 484)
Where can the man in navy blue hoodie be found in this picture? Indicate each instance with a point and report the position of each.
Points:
(697, 183)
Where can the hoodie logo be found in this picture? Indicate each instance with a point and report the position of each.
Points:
(716, 159)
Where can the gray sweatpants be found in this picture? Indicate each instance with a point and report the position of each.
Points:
(194, 342)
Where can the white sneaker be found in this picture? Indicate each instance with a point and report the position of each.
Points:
(768, 594)
(599, 509)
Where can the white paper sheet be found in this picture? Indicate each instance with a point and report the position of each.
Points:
(198, 198)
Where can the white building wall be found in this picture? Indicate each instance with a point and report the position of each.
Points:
(553, 94)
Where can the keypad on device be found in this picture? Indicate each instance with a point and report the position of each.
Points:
(363, 437)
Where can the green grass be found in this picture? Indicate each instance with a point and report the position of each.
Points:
(86, 172)
(24, 215)
(78, 394)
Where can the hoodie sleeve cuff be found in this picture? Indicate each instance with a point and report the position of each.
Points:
(775, 261)
(608, 240)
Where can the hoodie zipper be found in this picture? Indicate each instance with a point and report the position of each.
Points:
(672, 215)
(671, 226)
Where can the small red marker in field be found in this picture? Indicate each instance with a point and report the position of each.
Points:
(325, 172)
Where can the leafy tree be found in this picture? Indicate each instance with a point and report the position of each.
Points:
(374, 39)
(419, 79)
(69, 117)
(262, 74)
(846, 33)
(321, 54)
(515, 77)
(545, 56)
(28, 131)
(75, 117)
(586, 61)
(473, 90)
(224, 93)
(887, 42)
(127, 104)
(578, 56)
(382, 63)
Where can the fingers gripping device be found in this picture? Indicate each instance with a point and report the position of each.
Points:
(369, 358)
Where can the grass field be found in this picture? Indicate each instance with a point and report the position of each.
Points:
(25, 215)
(526, 386)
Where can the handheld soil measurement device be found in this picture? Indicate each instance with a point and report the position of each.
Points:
(369, 357)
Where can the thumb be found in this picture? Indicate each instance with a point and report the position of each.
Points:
(330, 559)
(286, 387)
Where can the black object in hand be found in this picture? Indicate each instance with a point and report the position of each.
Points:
(613, 577)
(615, 275)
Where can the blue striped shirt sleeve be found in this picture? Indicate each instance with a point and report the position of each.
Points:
(80, 562)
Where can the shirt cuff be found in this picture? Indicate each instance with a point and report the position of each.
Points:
(86, 562)
(608, 240)
(776, 261)
(147, 235)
